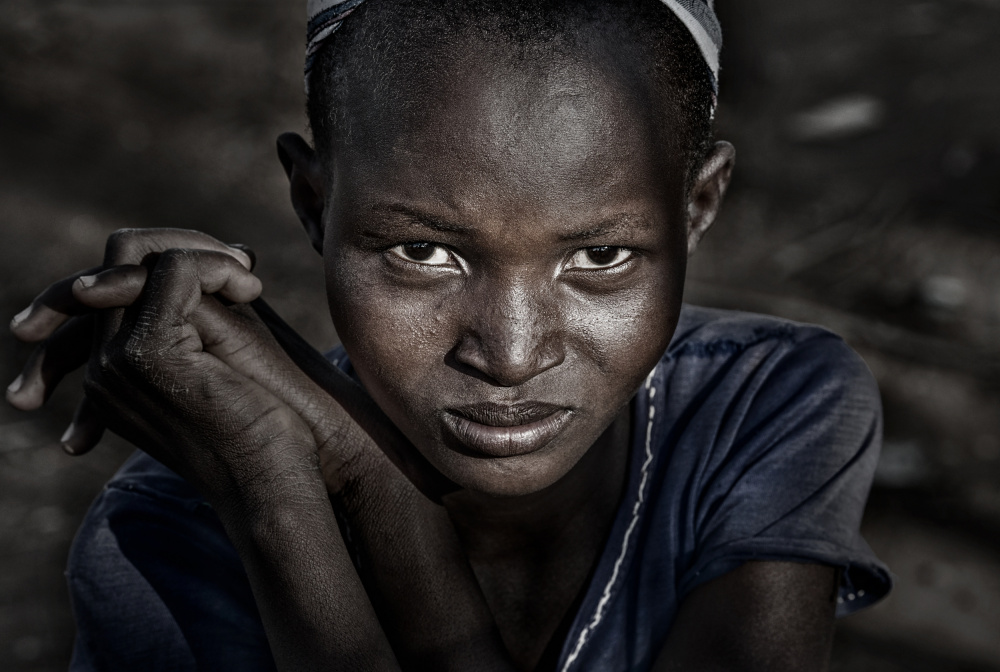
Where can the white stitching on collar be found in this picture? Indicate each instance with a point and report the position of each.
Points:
(636, 509)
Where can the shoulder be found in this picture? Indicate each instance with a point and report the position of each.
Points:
(739, 388)
(714, 332)
(770, 435)
(765, 359)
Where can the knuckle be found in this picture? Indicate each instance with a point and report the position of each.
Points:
(175, 264)
(123, 247)
(120, 358)
(133, 352)
(176, 257)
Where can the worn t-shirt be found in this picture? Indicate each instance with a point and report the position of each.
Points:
(754, 438)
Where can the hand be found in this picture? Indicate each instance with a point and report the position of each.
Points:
(400, 534)
(155, 379)
(64, 327)
(62, 317)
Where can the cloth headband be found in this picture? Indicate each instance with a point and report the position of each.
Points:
(698, 16)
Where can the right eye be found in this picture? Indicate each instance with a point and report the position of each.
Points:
(599, 258)
(427, 254)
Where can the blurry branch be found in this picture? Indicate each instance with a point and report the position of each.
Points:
(855, 329)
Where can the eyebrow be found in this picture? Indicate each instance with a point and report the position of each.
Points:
(428, 221)
(609, 227)
(614, 225)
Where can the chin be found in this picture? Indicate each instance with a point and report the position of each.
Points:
(513, 476)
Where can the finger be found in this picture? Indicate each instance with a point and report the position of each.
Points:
(49, 310)
(67, 349)
(209, 272)
(114, 288)
(132, 246)
(175, 288)
(136, 246)
(85, 431)
(248, 251)
(58, 302)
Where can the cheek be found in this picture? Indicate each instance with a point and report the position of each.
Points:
(395, 338)
(626, 333)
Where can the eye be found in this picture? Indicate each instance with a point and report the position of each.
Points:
(605, 256)
(427, 254)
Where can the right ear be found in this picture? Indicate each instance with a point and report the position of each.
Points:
(306, 182)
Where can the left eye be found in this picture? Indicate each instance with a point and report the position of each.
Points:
(604, 256)
(423, 253)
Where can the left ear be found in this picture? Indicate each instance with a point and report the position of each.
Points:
(706, 194)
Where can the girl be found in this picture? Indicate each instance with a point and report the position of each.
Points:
(528, 454)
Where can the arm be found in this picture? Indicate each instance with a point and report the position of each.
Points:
(767, 616)
(788, 483)
(427, 598)
(411, 555)
(248, 453)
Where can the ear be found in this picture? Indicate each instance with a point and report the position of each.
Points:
(707, 191)
(306, 183)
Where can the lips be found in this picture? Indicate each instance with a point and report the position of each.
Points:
(506, 430)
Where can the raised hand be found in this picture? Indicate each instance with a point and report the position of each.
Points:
(249, 453)
(400, 534)
(64, 326)
(61, 318)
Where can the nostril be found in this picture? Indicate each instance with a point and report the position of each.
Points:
(466, 358)
(506, 362)
(513, 330)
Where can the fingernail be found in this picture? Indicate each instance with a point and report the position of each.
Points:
(86, 281)
(64, 439)
(15, 387)
(20, 317)
(245, 259)
(247, 256)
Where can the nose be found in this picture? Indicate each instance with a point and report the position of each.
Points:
(514, 332)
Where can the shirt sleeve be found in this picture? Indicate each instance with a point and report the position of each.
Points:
(155, 583)
(790, 480)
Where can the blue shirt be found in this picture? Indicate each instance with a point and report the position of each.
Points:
(754, 439)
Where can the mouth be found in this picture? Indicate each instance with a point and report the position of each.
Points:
(506, 430)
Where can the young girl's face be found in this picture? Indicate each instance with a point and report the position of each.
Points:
(505, 250)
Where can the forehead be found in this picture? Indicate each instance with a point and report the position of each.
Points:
(482, 125)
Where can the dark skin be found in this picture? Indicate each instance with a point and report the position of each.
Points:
(518, 246)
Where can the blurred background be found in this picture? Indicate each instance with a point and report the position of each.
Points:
(866, 199)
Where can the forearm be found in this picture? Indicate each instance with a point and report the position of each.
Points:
(425, 592)
(765, 615)
(314, 607)
(414, 568)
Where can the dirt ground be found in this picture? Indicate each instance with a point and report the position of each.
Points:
(867, 199)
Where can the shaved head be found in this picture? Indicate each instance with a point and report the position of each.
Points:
(395, 58)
